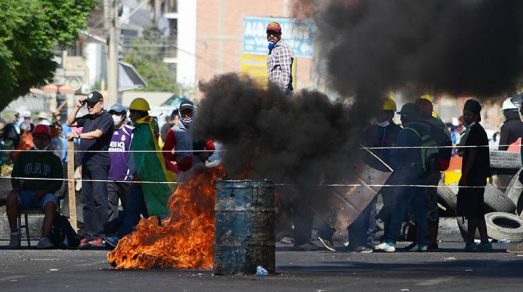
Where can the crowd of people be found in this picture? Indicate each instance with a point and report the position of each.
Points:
(416, 153)
(117, 161)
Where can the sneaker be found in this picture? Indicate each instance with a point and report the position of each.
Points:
(471, 247)
(308, 246)
(411, 246)
(327, 243)
(485, 246)
(385, 247)
(422, 248)
(363, 249)
(44, 243)
(16, 240)
(97, 242)
(84, 242)
(111, 241)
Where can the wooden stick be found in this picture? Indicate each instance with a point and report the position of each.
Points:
(70, 185)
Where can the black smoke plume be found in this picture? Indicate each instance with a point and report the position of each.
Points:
(461, 47)
(270, 135)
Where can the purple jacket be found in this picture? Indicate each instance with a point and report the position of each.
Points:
(119, 153)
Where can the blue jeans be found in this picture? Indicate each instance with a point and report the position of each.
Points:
(28, 199)
(361, 231)
(135, 206)
(397, 203)
(419, 203)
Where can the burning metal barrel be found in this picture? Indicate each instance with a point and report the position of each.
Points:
(244, 229)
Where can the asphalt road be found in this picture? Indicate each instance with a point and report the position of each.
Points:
(447, 270)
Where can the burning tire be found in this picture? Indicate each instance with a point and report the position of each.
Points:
(504, 226)
(448, 196)
(505, 160)
(497, 201)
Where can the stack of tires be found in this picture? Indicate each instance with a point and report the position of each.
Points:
(503, 219)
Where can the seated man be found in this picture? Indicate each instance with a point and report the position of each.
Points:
(35, 193)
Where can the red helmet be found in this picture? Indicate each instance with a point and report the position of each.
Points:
(42, 130)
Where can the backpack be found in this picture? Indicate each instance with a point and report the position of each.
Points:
(62, 233)
(428, 153)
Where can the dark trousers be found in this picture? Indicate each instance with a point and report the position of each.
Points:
(303, 218)
(361, 231)
(115, 191)
(135, 206)
(94, 199)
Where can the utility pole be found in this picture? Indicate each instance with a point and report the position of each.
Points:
(112, 26)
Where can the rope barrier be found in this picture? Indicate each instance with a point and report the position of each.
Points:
(276, 184)
(224, 150)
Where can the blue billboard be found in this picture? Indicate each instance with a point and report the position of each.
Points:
(296, 33)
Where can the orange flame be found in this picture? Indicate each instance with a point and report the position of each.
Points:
(185, 239)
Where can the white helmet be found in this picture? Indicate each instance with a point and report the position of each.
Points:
(508, 105)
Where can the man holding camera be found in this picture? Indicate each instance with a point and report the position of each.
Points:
(94, 157)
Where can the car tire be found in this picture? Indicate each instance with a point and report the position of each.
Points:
(497, 201)
(448, 196)
(514, 189)
(505, 160)
(504, 226)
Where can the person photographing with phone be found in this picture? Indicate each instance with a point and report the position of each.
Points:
(94, 157)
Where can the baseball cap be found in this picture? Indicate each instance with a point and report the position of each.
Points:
(94, 97)
(186, 105)
(117, 108)
(408, 109)
(42, 130)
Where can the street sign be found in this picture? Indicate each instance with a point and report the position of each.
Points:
(296, 33)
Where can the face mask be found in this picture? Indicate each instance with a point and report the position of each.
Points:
(117, 119)
(271, 45)
(383, 124)
(186, 121)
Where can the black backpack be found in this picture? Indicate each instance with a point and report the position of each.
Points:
(62, 233)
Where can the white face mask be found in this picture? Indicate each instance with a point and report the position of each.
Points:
(117, 119)
(383, 124)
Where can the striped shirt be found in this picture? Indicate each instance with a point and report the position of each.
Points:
(279, 66)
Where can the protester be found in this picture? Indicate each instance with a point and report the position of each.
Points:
(26, 140)
(171, 121)
(180, 144)
(146, 164)
(408, 164)
(117, 189)
(512, 129)
(474, 173)
(383, 133)
(94, 157)
(43, 118)
(35, 193)
(442, 137)
(279, 60)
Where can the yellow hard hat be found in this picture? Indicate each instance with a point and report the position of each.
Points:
(427, 97)
(139, 104)
(389, 104)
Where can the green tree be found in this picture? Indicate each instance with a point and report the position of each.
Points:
(146, 55)
(31, 31)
